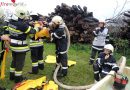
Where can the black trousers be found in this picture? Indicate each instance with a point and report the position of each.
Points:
(17, 66)
(37, 54)
(2, 54)
(98, 72)
(37, 59)
(18, 60)
(63, 59)
(1, 57)
(94, 52)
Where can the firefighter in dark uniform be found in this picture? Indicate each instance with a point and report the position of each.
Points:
(36, 47)
(18, 31)
(105, 63)
(2, 36)
(59, 35)
(101, 38)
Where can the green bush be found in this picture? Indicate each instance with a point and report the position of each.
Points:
(121, 45)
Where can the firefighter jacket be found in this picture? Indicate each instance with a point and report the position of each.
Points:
(18, 31)
(59, 37)
(107, 65)
(100, 38)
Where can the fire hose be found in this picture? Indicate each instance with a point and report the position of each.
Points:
(68, 37)
(68, 86)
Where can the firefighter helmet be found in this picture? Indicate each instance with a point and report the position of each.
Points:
(34, 16)
(1, 12)
(21, 12)
(57, 20)
(109, 47)
(101, 21)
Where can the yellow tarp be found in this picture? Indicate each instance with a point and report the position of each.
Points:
(52, 59)
(31, 83)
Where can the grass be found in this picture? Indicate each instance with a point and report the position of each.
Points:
(80, 74)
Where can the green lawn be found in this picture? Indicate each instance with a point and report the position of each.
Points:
(80, 74)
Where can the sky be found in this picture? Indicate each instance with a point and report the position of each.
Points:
(102, 9)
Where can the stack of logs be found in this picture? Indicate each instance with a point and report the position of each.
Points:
(127, 20)
(79, 21)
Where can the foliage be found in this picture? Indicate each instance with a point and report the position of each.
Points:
(120, 44)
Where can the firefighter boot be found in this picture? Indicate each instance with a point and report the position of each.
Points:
(59, 73)
(19, 79)
(91, 62)
(12, 76)
(64, 72)
(34, 70)
(41, 66)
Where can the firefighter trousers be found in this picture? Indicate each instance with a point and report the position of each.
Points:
(17, 66)
(98, 72)
(63, 59)
(1, 57)
(93, 54)
(2, 53)
(37, 58)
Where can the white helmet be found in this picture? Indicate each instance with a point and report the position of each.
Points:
(102, 21)
(1, 12)
(57, 20)
(21, 12)
(109, 47)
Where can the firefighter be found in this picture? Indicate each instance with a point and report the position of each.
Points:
(101, 38)
(37, 48)
(61, 38)
(105, 63)
(18, 31)
(2, 36)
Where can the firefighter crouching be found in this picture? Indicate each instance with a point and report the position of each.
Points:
(61, 38)
(36, 47)
(18, 31)
(105, 63)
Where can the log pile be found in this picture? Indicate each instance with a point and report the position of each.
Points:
(79, 21)
(127, 20)
(119, 28)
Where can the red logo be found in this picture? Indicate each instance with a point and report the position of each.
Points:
(13, 1)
